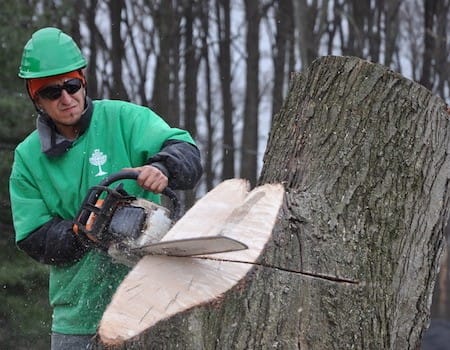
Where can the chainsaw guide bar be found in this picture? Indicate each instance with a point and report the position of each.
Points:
(191, 246)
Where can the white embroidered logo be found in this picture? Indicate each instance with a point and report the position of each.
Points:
(98, 159)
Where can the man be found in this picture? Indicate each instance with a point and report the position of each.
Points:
(77, 143)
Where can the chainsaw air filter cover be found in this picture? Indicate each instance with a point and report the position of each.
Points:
(139, 222)
(127, 222)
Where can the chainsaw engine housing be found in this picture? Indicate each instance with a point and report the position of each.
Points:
(111, 216)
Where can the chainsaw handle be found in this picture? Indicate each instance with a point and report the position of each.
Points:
(121, 175)
(133, 175)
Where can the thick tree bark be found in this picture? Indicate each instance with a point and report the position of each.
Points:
(364, 155)
(352, 262)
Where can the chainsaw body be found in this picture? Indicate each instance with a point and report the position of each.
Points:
(118, 222)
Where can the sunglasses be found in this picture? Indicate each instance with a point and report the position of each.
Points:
(53, 92)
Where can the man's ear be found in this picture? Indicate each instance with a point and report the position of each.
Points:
(37, 105)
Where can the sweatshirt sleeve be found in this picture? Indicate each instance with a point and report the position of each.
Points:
(29, 209)
(44, 236)
(180, 162)
(54, 243)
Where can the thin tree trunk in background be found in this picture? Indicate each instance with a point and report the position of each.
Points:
(392, 29)
(209, 170)
(311, 23)
(442, 50)
(164, 23)
(174, 108)
(249, 144)
(135, 20)
(192, 65)
(192, 62)
(374, 29)
(78, 8)
(223, 10)
(429, 43)
(118, 90)
(358, 15)
(93, 49)
(284, 38)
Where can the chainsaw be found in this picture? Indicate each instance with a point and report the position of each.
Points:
(128, 228)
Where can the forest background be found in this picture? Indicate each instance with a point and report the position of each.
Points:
(219, 68)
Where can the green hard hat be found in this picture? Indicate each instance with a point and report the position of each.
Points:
(50, 52)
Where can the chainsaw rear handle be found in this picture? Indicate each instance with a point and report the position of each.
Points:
(133, 175)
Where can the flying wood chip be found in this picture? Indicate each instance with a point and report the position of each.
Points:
(159, 286)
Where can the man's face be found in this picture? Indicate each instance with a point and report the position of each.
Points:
(63, 106)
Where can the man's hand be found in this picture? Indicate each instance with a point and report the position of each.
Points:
(151, 178)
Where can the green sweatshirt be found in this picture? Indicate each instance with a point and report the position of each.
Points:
(120, 135)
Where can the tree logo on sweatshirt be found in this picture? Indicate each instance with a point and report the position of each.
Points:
(98, 158)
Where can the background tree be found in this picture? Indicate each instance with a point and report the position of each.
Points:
(167, 24)
(223, 14)
(116, 9)
(208, 119)
(249, 143)
(310, 22)
(283, 51)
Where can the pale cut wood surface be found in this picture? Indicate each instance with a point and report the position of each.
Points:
(159, 287)
(207, 216)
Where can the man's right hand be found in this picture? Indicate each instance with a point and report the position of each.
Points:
(150, 178)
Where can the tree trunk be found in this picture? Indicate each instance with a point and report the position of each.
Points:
(311, 22)
(209, 148)
(363, 153)
(284, 38)
(223, 13)
(93, 49)
(352, 261)
(165, 25)
(118, 90)
(429, 42)
(249, 144)
(192, 63)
